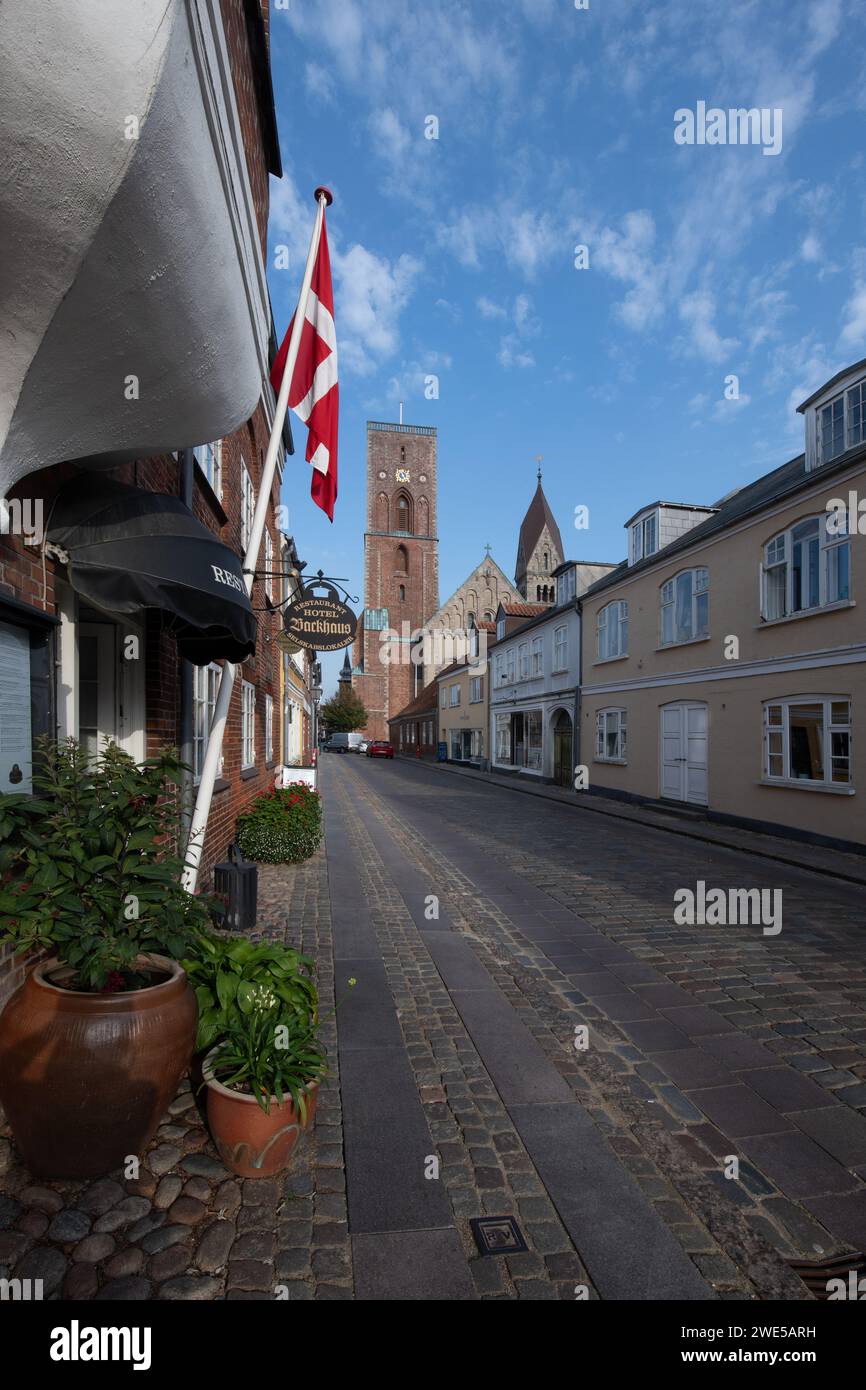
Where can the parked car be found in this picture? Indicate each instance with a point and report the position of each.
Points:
(378, 748)
(343, 743)
(363, 746)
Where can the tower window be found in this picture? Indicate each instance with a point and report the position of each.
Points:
(402, 592)
(401, 560)
(404, 514)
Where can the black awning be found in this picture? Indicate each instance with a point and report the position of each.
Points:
(130, 550)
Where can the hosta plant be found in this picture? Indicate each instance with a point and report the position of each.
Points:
(282, 826)
(233, 976)
(263, 1057)
(87, 864)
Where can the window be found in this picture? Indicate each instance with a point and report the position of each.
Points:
(613, 630)
(560, 648)
(806, 567)
(402, 592)
(500, 629)
(404, 515)
(532, 746)
(269, 564)
(610, 735)
(842, 423)
(248, 506)
(375, 619)
(248, 725)
(523, 661)
(566, 585)
(209, 459)
(444, 700)
(205, 684)
(476, 689)
(455, 695)
(537, 656)
(644, 538)
(509, 666)
(476, 743)
(269, 728)
(685, 607)
(503, 738)
(808, 739)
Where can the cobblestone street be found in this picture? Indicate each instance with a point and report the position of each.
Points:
(463, 955)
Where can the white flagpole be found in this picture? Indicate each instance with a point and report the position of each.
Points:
(198, 826)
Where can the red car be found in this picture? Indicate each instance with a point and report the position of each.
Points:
(380, 749)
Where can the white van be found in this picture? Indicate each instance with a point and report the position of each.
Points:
(344, 743)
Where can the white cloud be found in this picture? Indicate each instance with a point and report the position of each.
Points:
(319, 82)
(488, 310)
(810, 248)
(854, 329)
(628, 255)
(391, 136)
(698, 310)
(512, 355)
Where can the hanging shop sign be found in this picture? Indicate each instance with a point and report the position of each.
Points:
(320, 622)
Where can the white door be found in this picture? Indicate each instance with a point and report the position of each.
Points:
(684, 738)
(111, 687)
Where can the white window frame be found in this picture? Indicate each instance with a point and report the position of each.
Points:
(443, 703)
(777, 740)
(612, 630)
(269, 565)
(841, 419)
(205, 686)
(269, 728)
(560, 648)
(523, 661)
(646, 528)
(537, 656)
(611, 720)
(502, 735)
(778, 557)
(454, 699)
(248, 506)
(209, 458)
(566, 585)
(500, 629)
(248, 725)
(476, 689)
(509, 665)
(699, 582)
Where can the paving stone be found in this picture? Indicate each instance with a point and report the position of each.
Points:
(10, 1210)
(203, 1166)
(785, 1089)
(842, 1132)
(69, 1225)
(292, 1263)
(250, 1274)
(160, 1160)
(43, 1262)
(169, 1190)
(128, 1261)
(101, 1196)
(93, 1249)
(33, 1223)
(187, 1211)
(191, 1288)
(81, 1282)
(227, 1199)
(214, 1245)
(797, 1165)
(255, 1245)
(170, 1263)
(738, 1111)
(163, 1238)
(126, 1213)
(151, 1222)
(200, 1190)
(42, 1198)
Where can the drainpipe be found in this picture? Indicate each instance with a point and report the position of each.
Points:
(575, 738)
(187, 790)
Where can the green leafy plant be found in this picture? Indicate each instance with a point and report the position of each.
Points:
(233, 977)
(264, 1057)
(86, 864)
(282, 826)
(343, 712)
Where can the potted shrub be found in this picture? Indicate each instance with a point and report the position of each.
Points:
(229, 975)
(282, 826)
(262, 1084)
(94, 1043)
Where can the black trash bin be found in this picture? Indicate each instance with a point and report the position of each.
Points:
(237, 883)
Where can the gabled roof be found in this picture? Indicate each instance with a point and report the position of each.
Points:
(538, 516)
(522, 610)
(782, 482)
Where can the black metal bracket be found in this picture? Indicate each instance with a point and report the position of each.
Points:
(317, 581)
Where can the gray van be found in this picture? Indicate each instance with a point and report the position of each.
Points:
(344, 743)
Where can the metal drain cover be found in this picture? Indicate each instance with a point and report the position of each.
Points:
(497, 1235)
(816, 1274)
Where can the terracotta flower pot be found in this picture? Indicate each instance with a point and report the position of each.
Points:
(251, 1143)
(86, 1078)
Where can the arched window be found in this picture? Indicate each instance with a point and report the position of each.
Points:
(538, 593)
(685, 607)
(612, 630)
(401, 560)
(402, 453)
(402, 592)
(546, 562)
(404, 514)
(807, 566)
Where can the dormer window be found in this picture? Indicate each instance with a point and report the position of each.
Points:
(500, 629)
(842, 423)
(566, 586)
(644, 537)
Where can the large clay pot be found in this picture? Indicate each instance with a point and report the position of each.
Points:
(86, 1078)
(251, 1143)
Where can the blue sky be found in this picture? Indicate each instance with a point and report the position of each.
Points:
(454, 257)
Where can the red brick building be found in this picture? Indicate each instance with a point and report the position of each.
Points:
(67, 668)
(401, 567)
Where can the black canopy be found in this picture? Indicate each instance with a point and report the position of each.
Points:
(131, 550)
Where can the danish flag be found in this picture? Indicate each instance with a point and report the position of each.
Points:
(314, 394)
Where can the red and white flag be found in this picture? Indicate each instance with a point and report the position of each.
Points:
(314, 394)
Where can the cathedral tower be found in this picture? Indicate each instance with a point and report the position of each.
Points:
(401, 564)
(539, 551)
